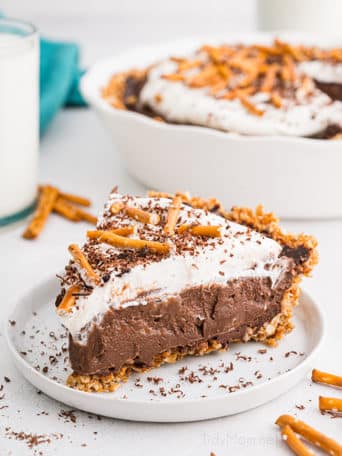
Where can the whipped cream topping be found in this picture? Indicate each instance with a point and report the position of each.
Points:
(322, 71)
(308, 113)
(238, 253)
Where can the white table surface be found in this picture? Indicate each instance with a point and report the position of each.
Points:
(78, 156)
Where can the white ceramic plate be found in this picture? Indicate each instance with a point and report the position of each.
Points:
(294, 177)
(195, 388)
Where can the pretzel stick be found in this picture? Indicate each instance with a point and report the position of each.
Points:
(288, 71)
(66, 210)
(116, 207)
(173, 77)
(86, 216)
(75, 199)
(269, 79)
(82, 261)
(318, 439)
(46, 200)
(172, 215)
(155, 194)
(250, 106)
(124, 231)
(201, 230)
(206, 204)
(69, 299)
(276, 100)
(330, 404)
(294, 443)
(185, 197)
(142, 216)
(127, 243)
(325, 377)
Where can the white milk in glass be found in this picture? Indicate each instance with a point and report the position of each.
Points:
(19, 117)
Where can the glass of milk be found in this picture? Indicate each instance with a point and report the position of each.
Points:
(19, 118)
(311, 16)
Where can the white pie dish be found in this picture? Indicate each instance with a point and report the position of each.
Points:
(294, 177)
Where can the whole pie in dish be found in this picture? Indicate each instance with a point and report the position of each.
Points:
(166, 276)
(279, 89)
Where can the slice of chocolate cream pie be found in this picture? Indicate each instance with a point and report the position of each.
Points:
(166, 276)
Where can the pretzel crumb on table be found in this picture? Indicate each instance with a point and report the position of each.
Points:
(51, 199)
(326, 378)
(310, 434)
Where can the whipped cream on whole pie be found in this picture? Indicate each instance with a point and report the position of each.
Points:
(304, 112)
(165, 276)
(251, 90)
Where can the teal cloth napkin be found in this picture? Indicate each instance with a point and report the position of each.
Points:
(59, 79)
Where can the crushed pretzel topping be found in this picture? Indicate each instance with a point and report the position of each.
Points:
(69, 299)
(142, 216)
(236, 72)
(128, 243)
(83, 263)
(117, 207)
(172, 215)
(201, 230)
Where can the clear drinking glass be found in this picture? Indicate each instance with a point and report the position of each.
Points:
(19, 118)
(311, 16)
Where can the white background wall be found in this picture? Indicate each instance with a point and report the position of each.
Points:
(104, 26)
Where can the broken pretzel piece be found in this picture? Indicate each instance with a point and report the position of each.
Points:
(46, 200)
(318, 439)
(172, 215)
(330, 404)
(117, 207)
(326, 378)
(69, 299)
(84, 264)
(142, 216)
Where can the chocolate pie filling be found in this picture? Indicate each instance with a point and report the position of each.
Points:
(195, 316)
